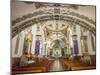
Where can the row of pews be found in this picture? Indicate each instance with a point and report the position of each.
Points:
(44, 64)
(75, 65)
(40, 66)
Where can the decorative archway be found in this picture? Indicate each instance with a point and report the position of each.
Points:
(42, 15)
(57, 48)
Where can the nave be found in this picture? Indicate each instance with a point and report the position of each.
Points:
(52, 37)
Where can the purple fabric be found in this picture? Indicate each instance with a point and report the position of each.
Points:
(75, 46)
(37, 47)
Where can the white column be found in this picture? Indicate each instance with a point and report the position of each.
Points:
(70, 41)
(78, 39)
(40, 51)
(13, 45)
(82, 45)
(43, 45)
(33, 39)
(21, 43)
(29, 45)
(94, 36)
(89, 42)
(20, 46)
(32, 47)
(45, 49)
(68, 44)
(68, 51)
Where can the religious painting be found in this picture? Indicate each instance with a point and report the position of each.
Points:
(52, 37)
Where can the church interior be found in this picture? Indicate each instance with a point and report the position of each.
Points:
(52, 37)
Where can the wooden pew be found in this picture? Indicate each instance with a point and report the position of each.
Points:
(70, 65)
(22, 70)
(42, 66)
(83, 68)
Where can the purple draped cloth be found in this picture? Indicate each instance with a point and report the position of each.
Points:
(37, 47)
(75, 46)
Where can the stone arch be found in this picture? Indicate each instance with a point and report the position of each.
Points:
(28, 20)
(57, 49)
(61, 41)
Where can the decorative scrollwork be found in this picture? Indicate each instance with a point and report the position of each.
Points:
(33, 21)
(46, 11)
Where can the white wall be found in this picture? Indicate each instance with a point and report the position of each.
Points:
(20, 47)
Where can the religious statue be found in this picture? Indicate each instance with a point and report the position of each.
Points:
(27, 43)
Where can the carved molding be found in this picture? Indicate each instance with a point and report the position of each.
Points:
(33, 21)
(47, 11)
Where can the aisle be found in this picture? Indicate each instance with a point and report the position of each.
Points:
(56, 66)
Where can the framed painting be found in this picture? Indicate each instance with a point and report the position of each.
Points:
(52, 37)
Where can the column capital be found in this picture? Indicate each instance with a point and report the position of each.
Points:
(83, 37)
(74, 37)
